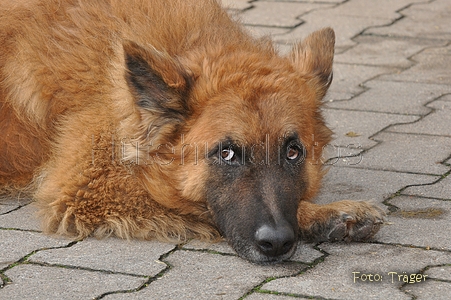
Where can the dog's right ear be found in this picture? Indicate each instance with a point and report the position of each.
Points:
(159, 85)
(314, 57)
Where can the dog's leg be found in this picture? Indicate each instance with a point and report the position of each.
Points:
(89, 200)
(339, 221)
(103, 198)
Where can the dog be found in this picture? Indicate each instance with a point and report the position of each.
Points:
(167, 120)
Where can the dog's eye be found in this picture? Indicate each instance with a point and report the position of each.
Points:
(228, 155)
(295, 152)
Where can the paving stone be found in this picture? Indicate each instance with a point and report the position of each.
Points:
(264, 296)
(430, 290)
(436, 123)
(23, 218)
(110, 254)
(427, 20)
(304, 253)
(382, 9)
(394, 97)
(334, 277)
(8, 204)
(406, 153)
(17, 244)
(348, 79)
(220, 247)
(353, 128)
(40, 282)
(442, 273)
(311, 1)
(7, 208)
(261, 31)
(236, 4)
(359, 184)
(277, 15)
(432, 66)
(446, 98)
(383, 51)
(283, 48)
(440, 190)
(211, 276)
(346, 27)
(416, 218)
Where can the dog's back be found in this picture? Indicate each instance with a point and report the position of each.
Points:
(60, 57)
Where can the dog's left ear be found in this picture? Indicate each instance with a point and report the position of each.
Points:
(314, 57)
(158, 83)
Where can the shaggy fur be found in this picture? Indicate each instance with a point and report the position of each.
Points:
(109, 113)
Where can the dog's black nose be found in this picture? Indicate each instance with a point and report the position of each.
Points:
(275, 241)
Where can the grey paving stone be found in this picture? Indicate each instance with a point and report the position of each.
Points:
(334, 278)
(283, 48)
(236, 4)
(436, 123)
(311, 1)
(7, 203)
(110, 254)
(348, 79)
(446, 98)
(439, 190)
(430, 290)
(4, 208)
(200, 275)
(442, 273)
(40, 282)
(23, 218)
(341, 156)
(346, 27)
(17, 244)
(277, 15)
(220, 247)
(426, 20)
(394, 97)
(432, 66)
(407, 153)
(261, 31)
(383, 51)
(382, 9)
(305, 252)
(419, 222)
(359, 184)
(353, 128)
(264, 296)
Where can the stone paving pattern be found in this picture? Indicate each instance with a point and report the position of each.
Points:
(390, 107)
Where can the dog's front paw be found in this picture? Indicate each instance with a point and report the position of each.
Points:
(345, 221)
(356, 227)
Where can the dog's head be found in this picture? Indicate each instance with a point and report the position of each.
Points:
(245, 132)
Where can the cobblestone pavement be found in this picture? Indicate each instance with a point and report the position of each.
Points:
(390, 107)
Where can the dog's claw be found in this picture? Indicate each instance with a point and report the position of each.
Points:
(347, 218)
(352, 221)
(365, 223)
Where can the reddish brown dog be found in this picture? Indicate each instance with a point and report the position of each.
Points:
(165, 119)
